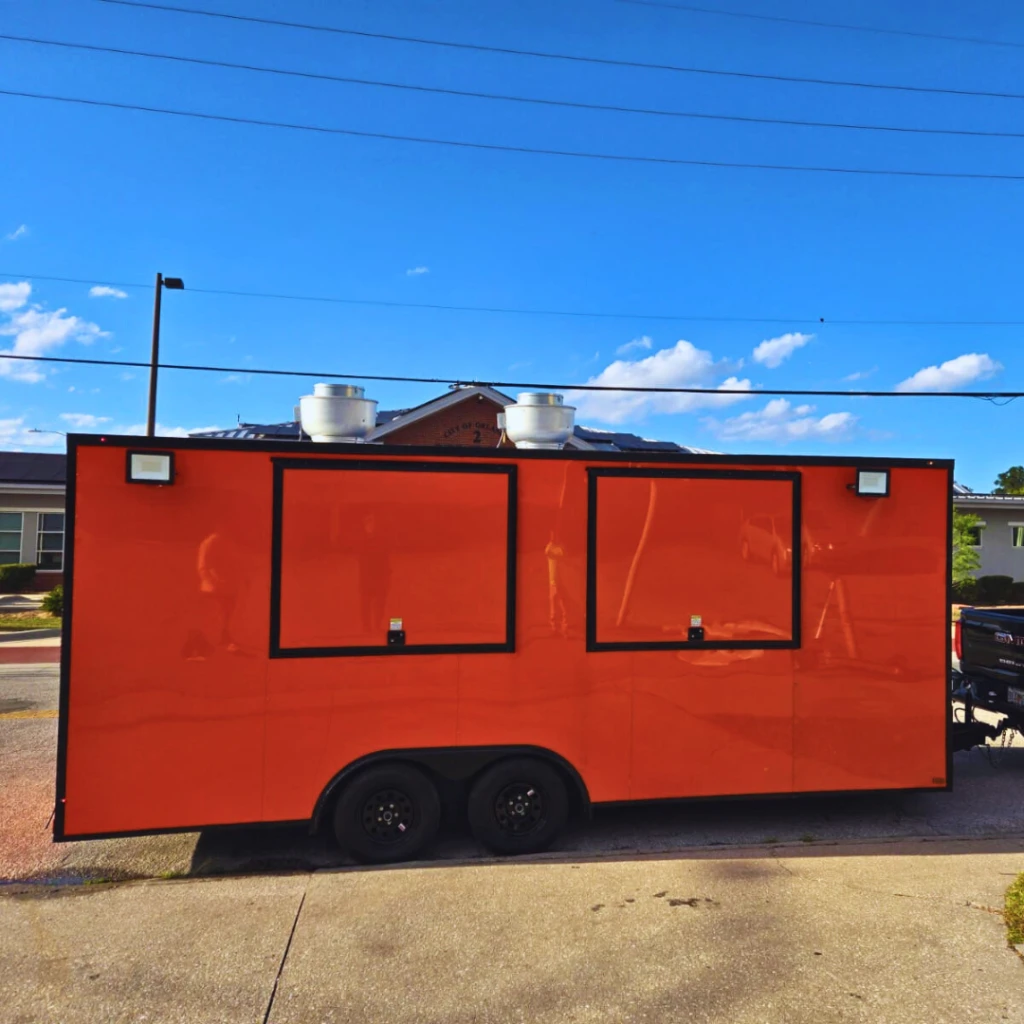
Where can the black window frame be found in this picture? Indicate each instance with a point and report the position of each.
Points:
(281, 467)
(595, 473)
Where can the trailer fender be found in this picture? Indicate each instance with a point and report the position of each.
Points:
(454, 765)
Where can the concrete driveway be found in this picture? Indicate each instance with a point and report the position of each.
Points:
(897, 934)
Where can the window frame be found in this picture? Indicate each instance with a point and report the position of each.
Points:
(980, 527)
(21, 533)
(595, 473)
(1013, 527)
(40, 533)
(282, 465)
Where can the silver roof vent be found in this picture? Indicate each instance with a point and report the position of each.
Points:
(337, 412)
(538, 419)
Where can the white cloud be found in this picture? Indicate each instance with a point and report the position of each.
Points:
(102, 291)
(14, 296)
(127, 376)
(683, 365)
(780, 421)
(860, 374)
(644, 342)
(952, 374)
(19, 232)
(36, 331)
(417, 271)
(774, 351)
(83, 420)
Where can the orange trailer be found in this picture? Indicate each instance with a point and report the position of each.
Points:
(353, 635)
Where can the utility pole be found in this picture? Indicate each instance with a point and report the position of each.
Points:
(154, 358)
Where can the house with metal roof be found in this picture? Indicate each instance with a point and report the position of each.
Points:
(999, 537)
(463, 416)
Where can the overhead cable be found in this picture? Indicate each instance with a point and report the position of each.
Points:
(535, 385)
(529, 150)
(507, 98)
(875, 29)
(523, 311)
(576, 58)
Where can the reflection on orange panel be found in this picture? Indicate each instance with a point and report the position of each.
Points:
(362, 547)
(870, 694)
(169, 650)
(669, 548)
(709, 723)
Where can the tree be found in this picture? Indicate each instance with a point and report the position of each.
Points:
(1010, 482)
(966, 559)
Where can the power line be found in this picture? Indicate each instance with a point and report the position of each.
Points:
(523, 311)
(507, 98)
(575, 58)
(825, 24)
(537, 385)
(530, 150)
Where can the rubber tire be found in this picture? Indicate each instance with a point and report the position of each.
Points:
(483, 822)
(348, 825)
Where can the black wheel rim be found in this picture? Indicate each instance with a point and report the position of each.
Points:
(520, 808)
(388, 816)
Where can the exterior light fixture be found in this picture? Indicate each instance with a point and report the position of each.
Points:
(872, 483)
(150, 468)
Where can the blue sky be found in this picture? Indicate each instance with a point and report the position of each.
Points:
(106, 195)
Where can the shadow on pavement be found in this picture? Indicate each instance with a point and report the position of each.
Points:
(817, 825)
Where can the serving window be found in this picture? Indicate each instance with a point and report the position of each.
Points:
(693, 558)
(392, 557)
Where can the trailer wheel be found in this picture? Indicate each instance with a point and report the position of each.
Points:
(518, 806)
(387, 814)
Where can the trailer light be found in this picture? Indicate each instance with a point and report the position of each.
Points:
(872, 483)
(150, 467)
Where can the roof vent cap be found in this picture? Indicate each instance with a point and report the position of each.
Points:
(539, 419)
(337, 413)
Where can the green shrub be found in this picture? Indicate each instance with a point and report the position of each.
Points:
(54, 600)
(16, 577)
(965, 591)
(995, 589)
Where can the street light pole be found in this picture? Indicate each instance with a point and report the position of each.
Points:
(154, 358)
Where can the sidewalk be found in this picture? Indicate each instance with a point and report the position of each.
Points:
(901, 933)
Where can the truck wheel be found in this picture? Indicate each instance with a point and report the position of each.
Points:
(387, 814)
(518, 806)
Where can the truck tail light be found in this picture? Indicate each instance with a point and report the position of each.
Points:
(958, 642)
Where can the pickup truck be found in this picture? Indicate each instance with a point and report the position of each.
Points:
(989, 645)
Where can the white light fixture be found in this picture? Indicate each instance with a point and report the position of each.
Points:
(872, 483)
(150, 467)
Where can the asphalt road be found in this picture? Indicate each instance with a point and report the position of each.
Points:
(986, 802)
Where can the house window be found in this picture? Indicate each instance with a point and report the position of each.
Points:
(974, 536)
(1017, 535)
(10, 537)
(50, 553)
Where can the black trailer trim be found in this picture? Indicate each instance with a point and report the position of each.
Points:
(452, 455)
(594, 644)
(64, 690)
(282, 465)
(294, 448)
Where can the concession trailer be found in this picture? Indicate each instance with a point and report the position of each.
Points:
(361, 637)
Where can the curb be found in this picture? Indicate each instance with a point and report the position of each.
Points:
(8, 636)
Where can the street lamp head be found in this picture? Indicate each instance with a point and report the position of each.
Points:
(174, 282)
